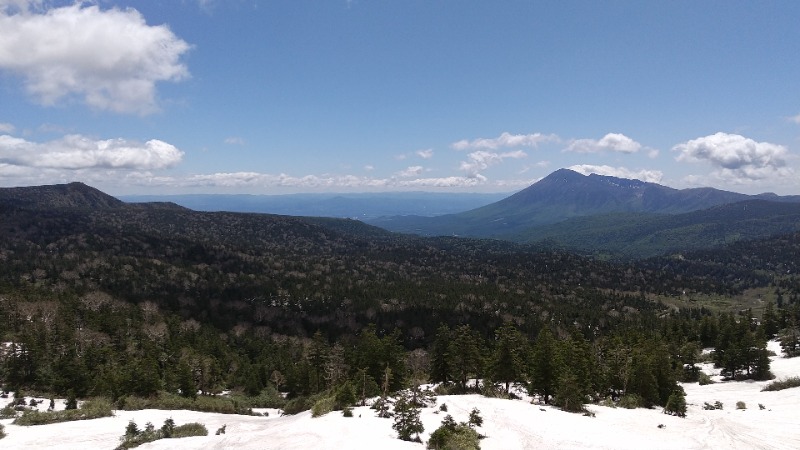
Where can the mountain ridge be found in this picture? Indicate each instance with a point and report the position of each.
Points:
(565, 194)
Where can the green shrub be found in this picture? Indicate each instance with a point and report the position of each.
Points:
(135, 437)
(345, 396)
(2, 431)
(323, 406)
(704, 379)
(780, 385)
(451, 435)
(190, 429)
(676, 404)
(741, 405)
(297, 405)
(631, 401)
(347, 411)
(8, 412)
(203, 403)
(92, 409)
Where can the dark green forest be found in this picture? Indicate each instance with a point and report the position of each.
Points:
(104, 299)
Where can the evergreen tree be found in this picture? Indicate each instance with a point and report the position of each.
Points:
(406, 419)
(465, 354)
(510, 357)
(769, 321)
(568, 394)
(441, 372)
(546, 365)
(579, 362)
(676, 404)
(186, 382)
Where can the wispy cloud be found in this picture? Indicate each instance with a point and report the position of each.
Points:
(795, 119)
(650, 176)
(6, 128)
(481, 160)
(505, 140)
(425, 154)
(111, 59)
(413, 171)
(234, 140)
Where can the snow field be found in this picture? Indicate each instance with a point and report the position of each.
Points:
(508, 425)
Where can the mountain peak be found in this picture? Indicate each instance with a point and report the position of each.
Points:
(70, 195)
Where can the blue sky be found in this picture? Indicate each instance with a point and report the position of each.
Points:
(235, 96)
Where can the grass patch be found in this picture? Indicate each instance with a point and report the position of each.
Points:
(91, 409)
(780, 385)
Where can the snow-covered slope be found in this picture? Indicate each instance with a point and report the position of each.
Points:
(508, 424)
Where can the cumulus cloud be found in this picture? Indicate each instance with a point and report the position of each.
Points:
(505, 140)
(6, 128)
(74, 152)
(111, 59)
(615, 142)
(650, 176)
(425, 154)
(481, 160)
(737, 157)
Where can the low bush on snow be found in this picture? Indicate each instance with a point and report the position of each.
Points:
(92, 409)
(780, 385)
(135, 437)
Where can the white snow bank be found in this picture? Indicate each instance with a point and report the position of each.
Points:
(508, 425)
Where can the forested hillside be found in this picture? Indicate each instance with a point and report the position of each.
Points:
(103, 298)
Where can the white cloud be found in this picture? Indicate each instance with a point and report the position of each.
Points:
(650, 176)
(409, 172)
(505, 140)
(6, 128)
(111, 59)
(444, 182)
(481, 160)
(74, 152)
(369, 168)
(737, 157)
(19, 6)
(614, 142)
(795, 119)
(234, 140)
(425, 154)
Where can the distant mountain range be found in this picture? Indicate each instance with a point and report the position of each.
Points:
(361, 206)
(619, 217)
(595, 215)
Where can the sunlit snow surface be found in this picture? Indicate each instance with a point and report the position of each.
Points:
(508, 424)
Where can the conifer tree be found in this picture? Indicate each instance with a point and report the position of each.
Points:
(465, 354)
(441, 372)
(676, 404)
(546, 365)
(510, 357)
(406, 419)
